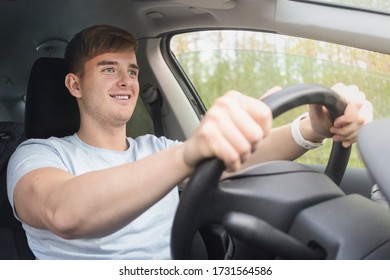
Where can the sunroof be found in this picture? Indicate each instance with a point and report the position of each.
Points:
(382, 6)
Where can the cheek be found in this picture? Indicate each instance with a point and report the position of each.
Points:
(136, 87)
(94, 92)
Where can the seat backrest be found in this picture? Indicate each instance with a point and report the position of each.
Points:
(13, 242)
(50, 109)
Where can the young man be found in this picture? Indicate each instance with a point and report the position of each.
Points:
(97, 194)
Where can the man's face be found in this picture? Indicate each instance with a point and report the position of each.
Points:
(109, 88)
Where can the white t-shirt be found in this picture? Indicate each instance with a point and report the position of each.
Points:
(147, 237)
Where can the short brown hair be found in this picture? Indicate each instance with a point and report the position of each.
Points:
(94, 41)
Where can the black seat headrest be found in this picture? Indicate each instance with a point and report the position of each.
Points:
(50, 109)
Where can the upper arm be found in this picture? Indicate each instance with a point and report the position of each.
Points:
(37, 193)
(32, 157)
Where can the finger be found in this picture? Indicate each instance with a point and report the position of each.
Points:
(359, 112)
(232, 126)
(224, 150)
(270, 91)
(351, 115)
(246, 125)
(355, 102)
(256, 109)
(350, 93)
(224, 138)
(236, 127)
(346, 135)
(208, 141)
(347, 131)
(346, 142)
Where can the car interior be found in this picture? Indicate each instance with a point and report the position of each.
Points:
(278, 210)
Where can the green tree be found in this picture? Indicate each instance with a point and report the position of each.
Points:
(252, 62)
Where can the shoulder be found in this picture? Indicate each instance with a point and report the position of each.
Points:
(37, 153)
(33, 154)
(152, 141)
(53, 142)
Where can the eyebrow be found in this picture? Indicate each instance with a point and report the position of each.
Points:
(110, 62)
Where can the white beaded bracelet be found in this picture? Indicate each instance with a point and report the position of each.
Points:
(296, 134)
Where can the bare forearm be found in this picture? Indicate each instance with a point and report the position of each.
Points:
(100, 202)
(279, 145)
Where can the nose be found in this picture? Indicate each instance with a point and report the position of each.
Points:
(125, 80)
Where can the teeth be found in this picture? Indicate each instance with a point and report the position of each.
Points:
(121, 97)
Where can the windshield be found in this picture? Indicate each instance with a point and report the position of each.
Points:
(252, 62)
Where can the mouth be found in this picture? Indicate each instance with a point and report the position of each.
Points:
(121, 97)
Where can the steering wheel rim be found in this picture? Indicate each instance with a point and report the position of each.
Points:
(207, 174)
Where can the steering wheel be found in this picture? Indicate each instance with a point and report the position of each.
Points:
(254, 201)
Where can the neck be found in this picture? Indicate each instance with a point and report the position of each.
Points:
(110, 139)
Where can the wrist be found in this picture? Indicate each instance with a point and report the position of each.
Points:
(307, 131)
(187, 162)
(304, 135)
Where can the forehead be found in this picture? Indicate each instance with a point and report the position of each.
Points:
(127, 58)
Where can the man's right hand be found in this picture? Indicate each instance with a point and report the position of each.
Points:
(231, 130)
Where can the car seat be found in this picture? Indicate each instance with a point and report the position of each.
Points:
(50, 111)
(13, 242)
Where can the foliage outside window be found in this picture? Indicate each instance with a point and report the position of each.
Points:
(252, 62)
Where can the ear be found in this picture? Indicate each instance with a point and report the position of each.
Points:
(72, 82)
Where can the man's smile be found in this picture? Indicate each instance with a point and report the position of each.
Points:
(121, 97)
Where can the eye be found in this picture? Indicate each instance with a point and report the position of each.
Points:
(109, 70)
(132, 73)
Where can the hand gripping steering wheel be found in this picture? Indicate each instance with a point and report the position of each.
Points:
(205, 201)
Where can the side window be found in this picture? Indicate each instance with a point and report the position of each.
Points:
(252, 62)
(140, 123)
